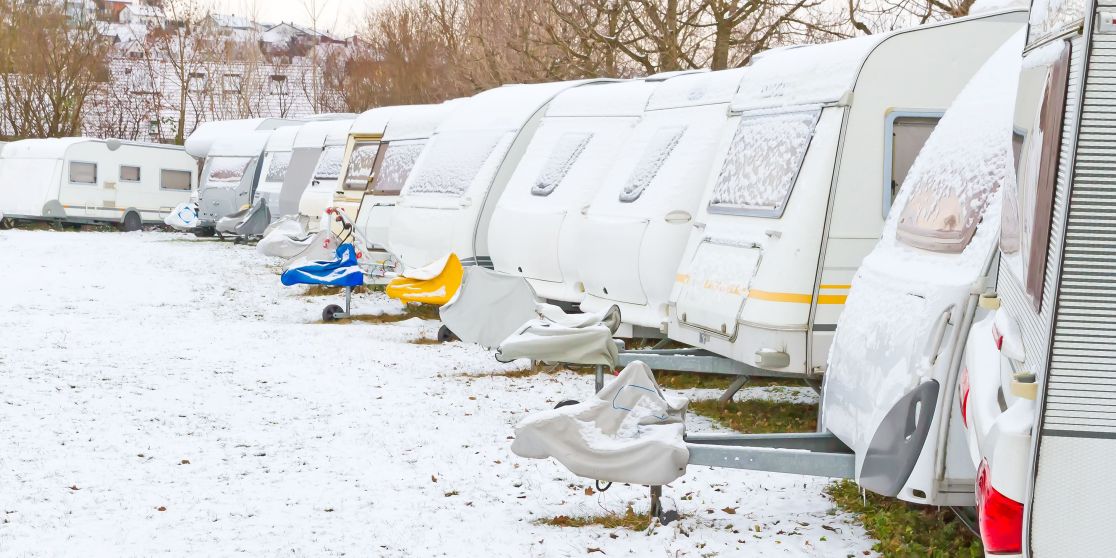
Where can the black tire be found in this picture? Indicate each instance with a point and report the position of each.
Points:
(131, 222)
(206, 232)
(329, 314)
(566, 403)
(6, 224)
(445, 335)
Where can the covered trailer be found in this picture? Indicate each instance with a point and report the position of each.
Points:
(318, 194)
(84, 180)
(449, 197)
(535, 229)
(276, 163)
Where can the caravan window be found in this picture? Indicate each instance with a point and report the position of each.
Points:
(329, 165)
(83, 173)
(397, 162)
(566, 151)
(227, 170)
(658, 150)
(762, 164)
(175, 180)
(455, 160)
(907, 133)
(277, 169)
(362, 162)
(129, 174)
(1029, 207)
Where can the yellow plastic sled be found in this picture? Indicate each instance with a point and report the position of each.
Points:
(434, 284)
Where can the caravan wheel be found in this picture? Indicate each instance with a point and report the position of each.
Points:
(445, 335)
(330, 313)
(6, 224)
(131, 222)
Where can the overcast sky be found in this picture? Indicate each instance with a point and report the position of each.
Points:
(340, 16)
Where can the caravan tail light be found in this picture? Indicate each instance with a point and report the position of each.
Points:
(963, 391)
(998, 338)
(1001, 518)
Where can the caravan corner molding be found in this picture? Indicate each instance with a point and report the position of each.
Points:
(85, 180)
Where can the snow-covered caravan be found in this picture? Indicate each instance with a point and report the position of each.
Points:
(450, 195)
(534, 229)
(85, 180)
(822, 138)
(231, 150)
(635, 228)
(276, 162)
(317, 196)
(1036, 386)
(378, 168)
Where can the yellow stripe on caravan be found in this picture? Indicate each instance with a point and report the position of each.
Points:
(836, 287)
(796, 298)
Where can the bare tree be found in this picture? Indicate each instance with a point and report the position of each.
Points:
(50, 66)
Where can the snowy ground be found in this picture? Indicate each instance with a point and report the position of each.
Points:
(164, 395)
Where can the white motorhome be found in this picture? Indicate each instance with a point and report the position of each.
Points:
(231, 151)
(1036, 389)
(534, 229)
(84, 180)
(378, 167)
(821, 139)
(449, 197)
(317, 196)
(634, 230)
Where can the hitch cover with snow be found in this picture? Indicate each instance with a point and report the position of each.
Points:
(183, 217)
(628, 432)
(435, 284)
(342, 271)
(488, 307)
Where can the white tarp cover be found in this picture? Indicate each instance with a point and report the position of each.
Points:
(184, 217)
(548, 341)
(628, 432)
(489, 307)
(285, 238)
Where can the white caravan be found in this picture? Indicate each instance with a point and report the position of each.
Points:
(317, 196)
(820, 141)
(534, 230)
(276, 162)
(1037, 387)
(448, 200)
(634, 230)
(231, 151)
(378, 167)
(83, 180)
(890, 389)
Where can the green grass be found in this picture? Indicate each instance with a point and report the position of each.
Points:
(628, 520)
(905, 529)
(757, 416)
(688, 380)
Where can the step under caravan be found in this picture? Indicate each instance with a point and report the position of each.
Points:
(822, 137)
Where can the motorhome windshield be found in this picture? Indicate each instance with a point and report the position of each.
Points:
(226, 171)
(277, 169)
(455, 160)
(658, 150)
(566, 151)
(361, 163)
(398, 161)
(763, 163)
(329, 166)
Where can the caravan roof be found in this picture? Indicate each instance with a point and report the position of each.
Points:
(320, 134)
(283, 139)
(696, 89)
(625, 98)
(202, 140)
(505, 108)
(56, 148)
(242, 144)
(418, 121)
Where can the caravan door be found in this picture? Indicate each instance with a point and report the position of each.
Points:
(891, 385)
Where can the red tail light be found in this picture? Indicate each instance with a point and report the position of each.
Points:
(1001, 518)
(963, 390)
(998, 338)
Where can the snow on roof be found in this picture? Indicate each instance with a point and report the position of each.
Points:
(205, 136)
(419, 121)
(694, 89)
(144, 10)
(321, 133)
(505, 108)
(375, 121)
(240, 144)
(625, 98)
(231, 21)
(56, 148)
(282, 139)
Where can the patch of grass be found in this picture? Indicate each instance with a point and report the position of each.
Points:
(522, 373)
(628, 520)
(689, 380)
(757, 416)
(905, 529)
(410, 311)
(425, 341)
